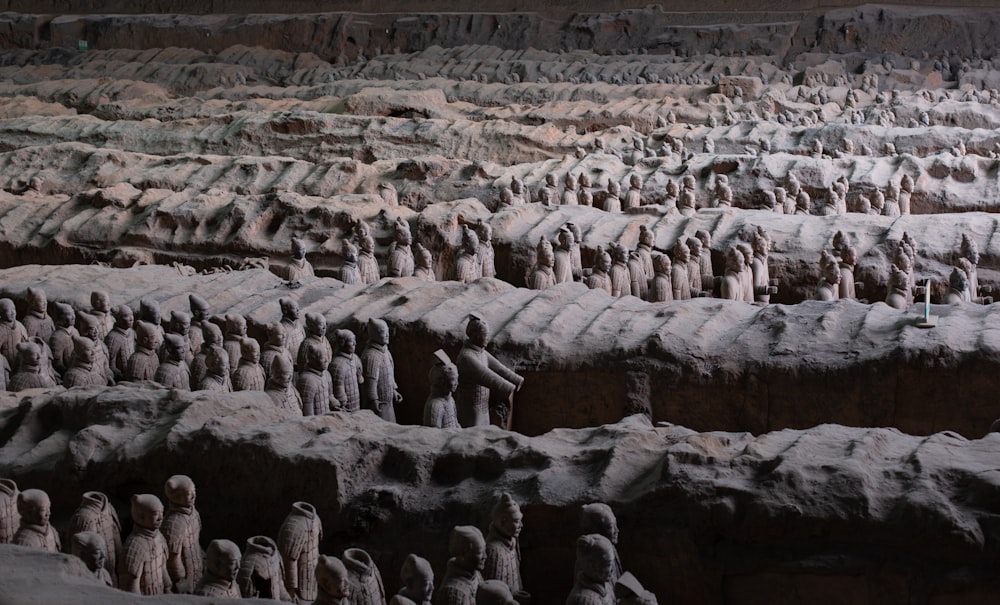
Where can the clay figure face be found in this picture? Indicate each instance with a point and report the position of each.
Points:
(331, 576)
(480, 335)
(367, 244)
(223, 559)
(420, 587)
(150, 517)
(672, 189)
(381, 334)
(734, 260)
(281, 374)
(181, 324)
(94, 559)
(7, 310)
(614, 188)
(545, 257)
(250, 351)
(290, 310)
(198, 311)
(35, 507)
(87, 354)
(315, 324)
(423, 259)
(404, 237)
(184, 495)
(151, 312)
(67, 318)
(276, 336)
(30, 355)
(517, 186)
(217, 361)
(347, 343)
(37, 301)
(507, 196)
(602, 262)
(474, 556)
(99, 302)
(317, 358)
(511, 523)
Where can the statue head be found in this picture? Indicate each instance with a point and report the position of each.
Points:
(401, 231)
(349, 252)
(688, 182)
(422, 257)
(595, 557)
(199, 307)
(662, 264)
(694, 247)
(316, 356)
(550, 179)
(84, 350)
(236, 325)
(65, 316)
(570, 181)
(635, 181)
(174, 346)
(146, 335)
(88, 326)
(598, 518)
(217, 361)
(418, 578)
(91, 548)
(734, 259)
(331, 577)
(100, 302)
(506, 516)
(289, 309)
(315, 324)
(506, 196)
(585, 180)
(682, 254)
(761, 244)
(29, 354)
(544, 252)
(149, 311)
(672, 189)
(282, 371)
(602, 260)
(614, 188)
(470, 241)
(443, 375)
(37, 301)
(484, 231)
(276, 334)
(468, 547)
(346, 342)
(958, 280)
(378, 331)
(180, 490)
(34, 507)
(222, 559)
(477, 331)
(8, 312)
(298, 248)
(969, 249)
(212, 334)
(249, 350)
(367, 243)
(147, 511)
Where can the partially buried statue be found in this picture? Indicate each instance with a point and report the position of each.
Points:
(594, 565)
(299, 267)
(480, 373)
(418, 582)
(182, 531)
(222, 564)
(462, 578)
(95, 514)
(380, 391)
(92, 549)
(143, 566)
(503, 552)
(298, 542)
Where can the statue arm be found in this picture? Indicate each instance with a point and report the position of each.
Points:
(504, 374)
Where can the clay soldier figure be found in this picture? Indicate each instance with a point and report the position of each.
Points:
(236, 331)
(222, 564)
(37, 321)
(598, 518)
(89, 327)
(280, 387)
(84, 372)
(594, 568)
(249, 376)
(173, 372)
(95, 514)
(803, 204)
(905, 192)
(180, 325)
(299, 267)
(294, 332)
(349, 272)
(142, 567)
(298, 543)
(199, 366)
(418, 582)
(9, 517)
(877, 203)
(400, 262)
(848, 260)
(424, 264)
(829, 282)
(723, 195)
(891, 207)
(569, 196)
(679, 278)
(315, 334)
(645, 251)
(562, 266)
(830, 202)
(612, 203)
(762, 287)
(503, 553)
(367, 264)
(149, 312)
(487, 257)
(314, 383)
(35, 531)
(507, 198)
(897, 289)
(100, 307)
(732, 287)
(182, 531)
(784, 201)
(345, 371)
(621, 280)
(261, 574)
(661, 289)
(584, 196)
(380, 392)
(439, 410)
(542, 274)
(12, 332)
(686, 202)
(633, 197)
(332, 583)
(970, 251)
(575, 258)
(696, 256)
(479, 373)
(517, 188)
(958, 288)
(548, 195)
(92, 549)
(199, 315)
(462, 577)
(364, 578)
(599, 278)
(637, 276)
(216, 371)
(274, 347)
(61, 341)
(468, 265)
(142, 365)
(672, 195)
(31, 371)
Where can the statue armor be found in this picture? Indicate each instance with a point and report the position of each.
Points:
(95, 514)
(347, 378)
(261, 574)
(10, 519)
(364, 578)
(144, 556)
(298, 542)
(182, 531)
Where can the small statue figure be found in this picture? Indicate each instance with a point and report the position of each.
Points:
(570, 194)
(638, 285)
(149, 312)
(672, 194)
(299, 267)
(61, 341)
(468, 265)
(679, 278)
(143, 363)
(216, 377)
(891, 205)
(274, 347)
(562, 266)
(346, 373)
(34, 508)
(621, 280)
(694, 265)
(180, 325)
(212, 339)
(542, 274)
(142, 567)
(487, 264)
(89, 327)
(906, 187)
(507, 198)
(686, 202)
(423, 263)
(958, 288)
(92, 549)
(762, 286)
(585, 197)
(380, 390)
(332, 583)
(367, 264)
(661, 289)
(575, 257)
(314, 382)
(633, 197)
(462, 577)
(83, 372)
(732, 286)
(261, 574)
(349, 272)
(439, 410)
(400, 263)
(829, 281)
(898, 289)
(784, 201)
(37, 321)
(418, 582)
(9, 517)
(970, 251)
(291, 322)
(199, 316)
(31, 370)
(182, 531)
(236, 331)
(723, 195)
(315, 334)
(598, 518)
(479, 372)
(100, 308)
(298, 543)
(803, 203)
(280, 387)
(599, 278)
(249, 376)
(12, 332)
(222, 564)
(594, 568)
(548, 194)
(364, 578)
(848, 260)
(612, 203)
(503, 554)
(173, 371)
(95, 514)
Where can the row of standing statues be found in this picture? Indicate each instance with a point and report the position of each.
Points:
(164, 554)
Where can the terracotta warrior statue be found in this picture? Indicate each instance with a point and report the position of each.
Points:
(291, 321)
(346, 373)
(439, 410)
(34, 508)
(216, 371)
(182, 531)
(518, 189)
(173, 371)
(503, 553)
(679, 278)
(315, 334)
(906, 187)
(487, 256)
(120, 341)
(585, 196)
(380, 390)
(261, 574)
(569, 196)
(83, 372)
(61, 341)
(364, 578)
(575, 257)
(95, 514)
(732, 287)
(299, 267)
(418, 582)
(898, 289)
(222, 564)
(92, 549)
(199, 366)
(100, 307)
(462, 577)
(332, 583)
(599, 278)
(31, 370)
(686, 201)
(37, 321)
(180, 325)
(142, 568)
(236, 331)
(400, 262)
(349, 272)
(958, 288)
(542, 274)
(638, 284)
(280, 386)
(424, 264)
(621, 279)
(142, 365)
(298, 542)
(367, 264)
(9, 517)
(598, 518)
(149, 312)
(762, 287)
(314, 382)
(645, 251)
(468, 265)
(661, 289)
(829, 282)
(612, 203)
(249, 375)
(633, 197)
(199, 315)
(562, 265)
(12, 332)
(479, 373)
(594, 568)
